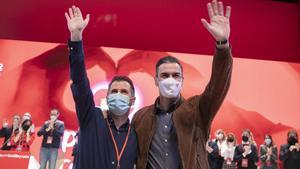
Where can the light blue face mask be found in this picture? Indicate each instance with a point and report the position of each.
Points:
(268, 141)
(118, 104)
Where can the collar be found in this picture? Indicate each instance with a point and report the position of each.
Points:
(123, 127)
(175, 105)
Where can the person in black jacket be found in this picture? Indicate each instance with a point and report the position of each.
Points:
(6, 131)
(213, 153)
(52, 131)
(268, 154)
(246, 153)
(290, 152)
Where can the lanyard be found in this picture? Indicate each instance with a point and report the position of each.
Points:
(118, 154)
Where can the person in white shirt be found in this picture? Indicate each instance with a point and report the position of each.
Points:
(221, 142)
(227, 152)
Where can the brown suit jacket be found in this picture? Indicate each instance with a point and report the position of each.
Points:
(192, 118)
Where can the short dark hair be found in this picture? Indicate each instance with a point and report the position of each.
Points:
(119, 78)
(247, 131)
(167, 59)
(292, 132)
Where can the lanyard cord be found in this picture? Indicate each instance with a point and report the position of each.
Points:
(119, 155)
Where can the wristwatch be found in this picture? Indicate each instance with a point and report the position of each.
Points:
(223, 42)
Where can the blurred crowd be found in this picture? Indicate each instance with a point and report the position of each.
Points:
(224, 151)
(20, 134)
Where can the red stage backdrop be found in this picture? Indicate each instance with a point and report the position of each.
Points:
(34, 77)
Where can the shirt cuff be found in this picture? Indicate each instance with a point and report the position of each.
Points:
(75, 47)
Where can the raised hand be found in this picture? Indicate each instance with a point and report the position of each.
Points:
(76, 23)
(20, 129)
(219, 26)
(30, 130)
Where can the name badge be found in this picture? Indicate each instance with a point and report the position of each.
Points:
(228, 161)
(245, 163)
(49, 140)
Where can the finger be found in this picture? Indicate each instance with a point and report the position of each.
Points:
(71, 13)
(205, 24)
(215, 7)
(67, 17)
(221, 8)
(74, 11)
(228, 12)
(78, 12)
(87, 18)
(210, 10)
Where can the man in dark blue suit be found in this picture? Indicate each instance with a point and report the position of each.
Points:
(104, 142)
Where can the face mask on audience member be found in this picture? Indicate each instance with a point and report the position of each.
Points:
(170, 88)
(230, 140)
(245, 138)
(268, 141)
(292, 140)
(26, 125)
(118, 104)
(53, 117)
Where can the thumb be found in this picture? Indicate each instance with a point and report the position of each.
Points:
(87, 18)
(205, 24)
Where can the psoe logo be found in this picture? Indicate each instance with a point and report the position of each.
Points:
(1, 67)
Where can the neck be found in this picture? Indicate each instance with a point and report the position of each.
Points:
(166, 103)
(119, 120)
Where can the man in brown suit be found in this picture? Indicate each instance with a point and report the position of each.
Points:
(172, 133)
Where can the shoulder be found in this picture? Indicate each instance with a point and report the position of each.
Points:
(189, 105)
(140, 114)
(253, 146)
(240, 146)
(193, 100)
(284, 146)
(213, 143)
(59, 122)
(262, 146)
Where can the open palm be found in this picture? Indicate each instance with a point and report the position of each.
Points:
(75, 21)
(219, 26)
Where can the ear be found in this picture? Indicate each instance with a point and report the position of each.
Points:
(132, 101)
(156, 80)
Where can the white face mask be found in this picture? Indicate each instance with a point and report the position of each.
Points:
(53, 118)
(268, 141)
(170, 88)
